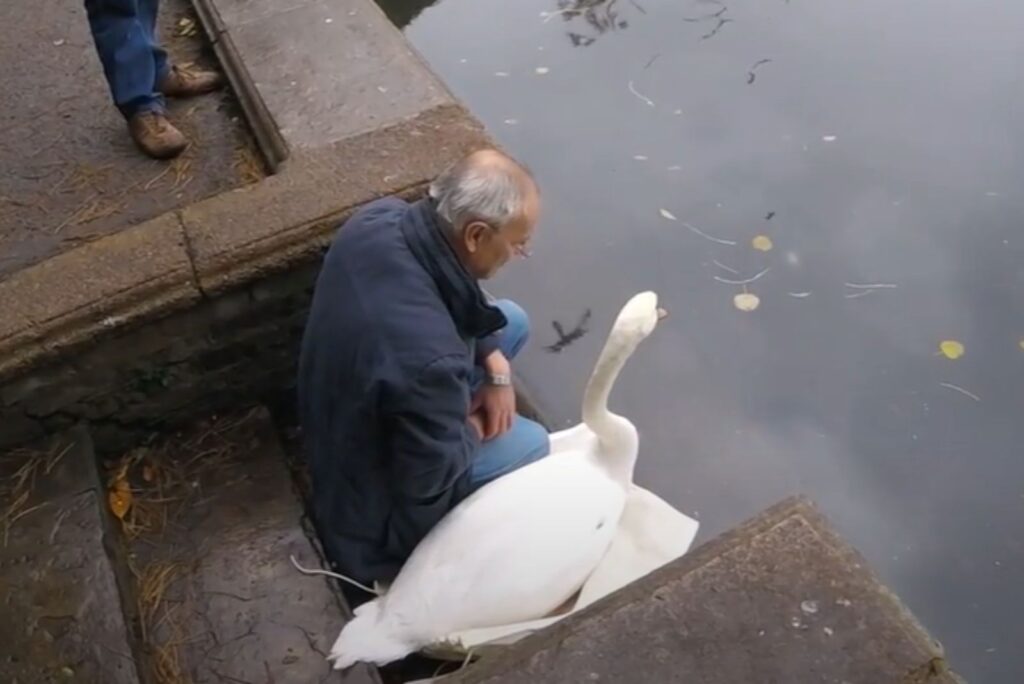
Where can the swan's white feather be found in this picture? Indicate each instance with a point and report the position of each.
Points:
(577, 438)
(516, 573)
(650, 533)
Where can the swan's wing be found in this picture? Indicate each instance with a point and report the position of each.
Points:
(512, 551)
(650, 534)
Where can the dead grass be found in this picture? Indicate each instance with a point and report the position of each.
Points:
(17, 489)
(167, 480)
(83, 177)
(159, 620)
(98, 208)
(248, 164)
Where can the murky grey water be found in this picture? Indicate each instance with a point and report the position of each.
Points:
(885, 141)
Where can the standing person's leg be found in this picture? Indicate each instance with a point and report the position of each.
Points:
(172, 80)
(123, 33)
(526, 441)
(149, 10)
(123, 41)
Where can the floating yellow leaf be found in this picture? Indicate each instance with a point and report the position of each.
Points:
(951, 349)
(746, 301)
(762, 243)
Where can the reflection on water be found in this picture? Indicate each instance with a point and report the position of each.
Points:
(600, 16)
(873, 143)
(402, 12)
(567, 338)
(587, 19)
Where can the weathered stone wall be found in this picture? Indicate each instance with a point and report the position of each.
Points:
(240, 346)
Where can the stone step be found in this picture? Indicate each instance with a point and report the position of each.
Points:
(351, 72)
(59, 596)
(779, 599)
(214, 521)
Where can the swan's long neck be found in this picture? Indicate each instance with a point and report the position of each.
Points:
(617, 436)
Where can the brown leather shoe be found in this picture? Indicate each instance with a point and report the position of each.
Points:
(181, 82)
(155, 135)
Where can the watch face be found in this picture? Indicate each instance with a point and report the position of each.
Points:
(500, 380)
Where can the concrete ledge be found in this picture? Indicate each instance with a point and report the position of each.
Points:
(351, 72)
(289, 218)
(265, 130)
(70, 298)
(779, 599)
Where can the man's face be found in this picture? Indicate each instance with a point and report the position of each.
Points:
(485, 248)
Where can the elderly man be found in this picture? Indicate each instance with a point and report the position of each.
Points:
(405, 390)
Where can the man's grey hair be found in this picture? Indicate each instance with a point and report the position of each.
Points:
(469, 191)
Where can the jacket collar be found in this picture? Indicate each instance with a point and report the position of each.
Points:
(465, 301)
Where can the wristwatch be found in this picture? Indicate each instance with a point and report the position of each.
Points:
(499, 379)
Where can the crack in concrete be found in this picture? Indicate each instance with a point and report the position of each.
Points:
(190, 252)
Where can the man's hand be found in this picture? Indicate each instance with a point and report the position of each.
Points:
(477, 421)
(496, 406)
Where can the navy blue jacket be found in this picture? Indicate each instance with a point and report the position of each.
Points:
(384, 384)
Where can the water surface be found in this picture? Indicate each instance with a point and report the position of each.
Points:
(881, 144)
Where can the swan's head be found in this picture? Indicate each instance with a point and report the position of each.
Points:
(638, 317)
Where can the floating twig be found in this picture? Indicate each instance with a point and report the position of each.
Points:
(644, 98)
(548, 16)
(741, 282)
(722, 21)
(870, 286)
(652, 60)
(857, 295)
(961, 390)
(725, 268)
(751, 75)
(698, 231)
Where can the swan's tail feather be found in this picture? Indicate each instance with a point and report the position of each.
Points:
(368, 639)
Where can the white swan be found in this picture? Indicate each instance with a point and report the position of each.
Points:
(521, 546)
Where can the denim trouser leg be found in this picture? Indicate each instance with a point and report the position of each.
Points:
(148, 12)
(125, 35)
(526, 441)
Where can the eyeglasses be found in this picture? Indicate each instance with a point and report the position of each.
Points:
(522, 251)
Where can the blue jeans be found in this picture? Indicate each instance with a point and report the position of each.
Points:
(133, 62)
(526, 441)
